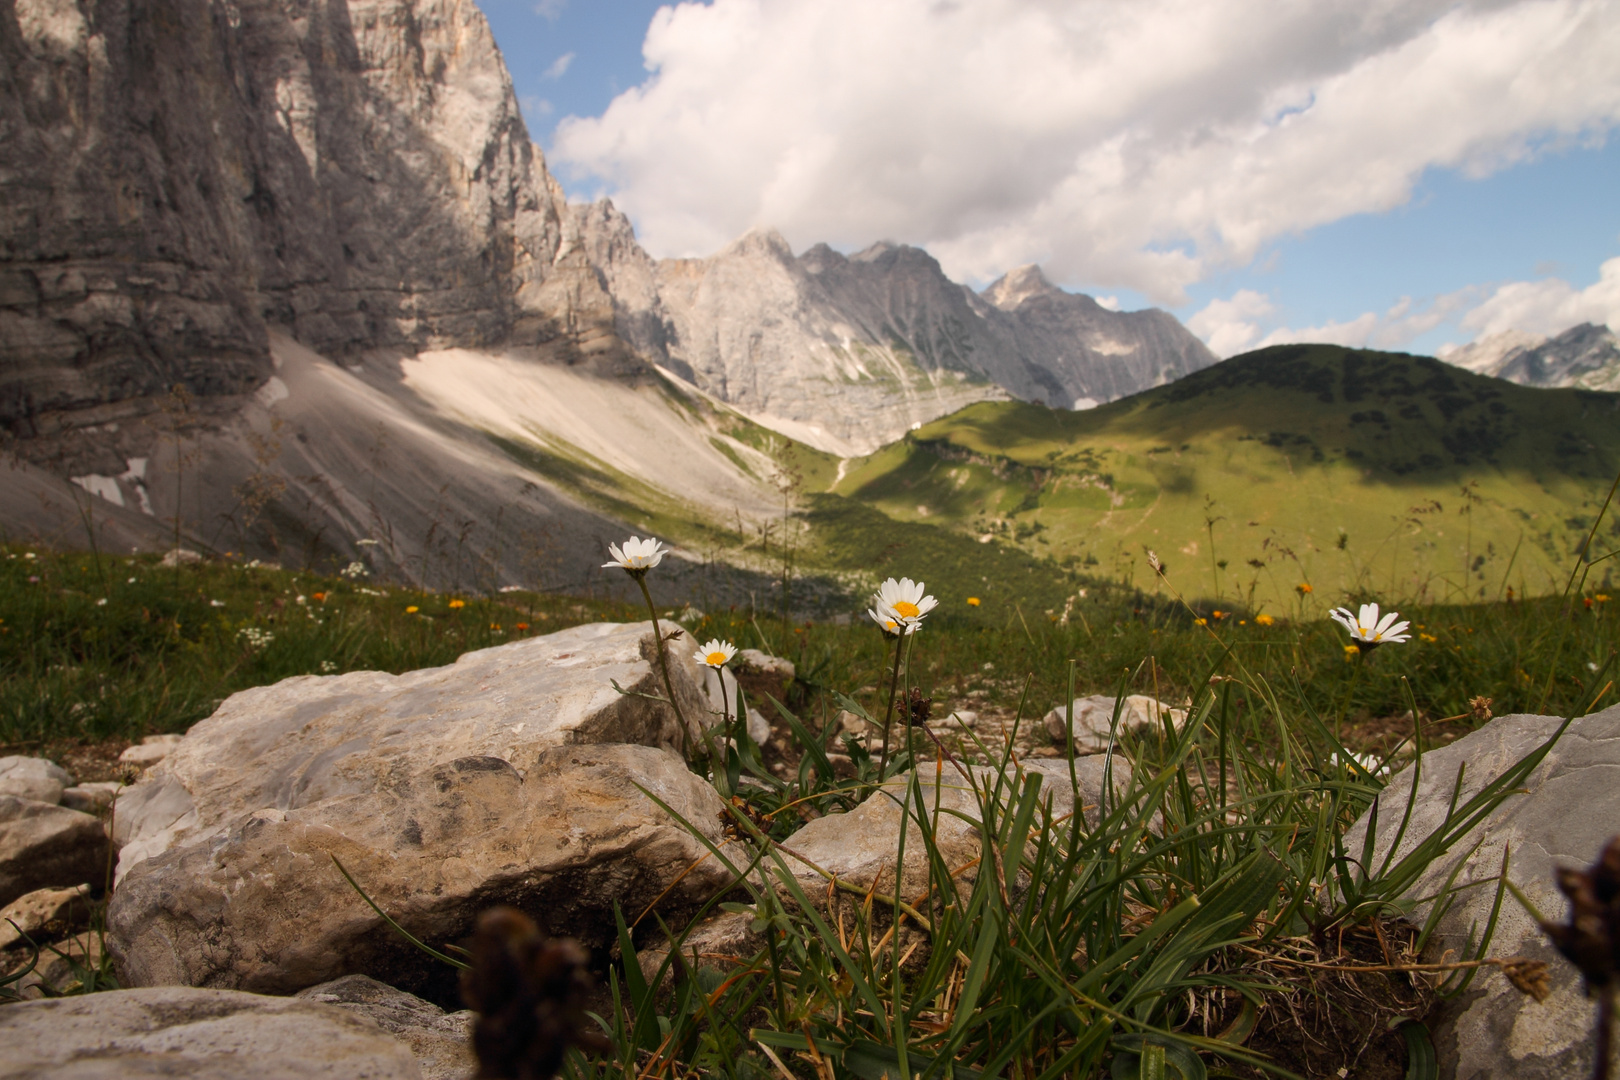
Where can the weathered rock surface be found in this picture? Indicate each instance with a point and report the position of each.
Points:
(33, 778)
(1570, 809)
(44, 846)
(1094, 720)
(441, 1041)
(182, 1032)
(860, 846)
(92, 798)
(40, 912)
(509, 777)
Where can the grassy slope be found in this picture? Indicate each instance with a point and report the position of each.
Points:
(1421, 468)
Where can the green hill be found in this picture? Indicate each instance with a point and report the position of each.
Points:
(1350, 470)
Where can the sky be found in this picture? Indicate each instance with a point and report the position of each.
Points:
(1400, 174)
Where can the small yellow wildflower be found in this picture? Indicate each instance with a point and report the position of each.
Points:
(412, 610)
(1263, 620)
(458, 603)
(1351, 652)
(1427, 637)
(973, 601)
(1602, 598)
(1200, 622)
(1303, 588)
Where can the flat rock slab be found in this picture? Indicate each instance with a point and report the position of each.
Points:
(47, 846)
(33, 778)
(1570, 809)
(316, 739)
(441, 1041)
(195, 1034)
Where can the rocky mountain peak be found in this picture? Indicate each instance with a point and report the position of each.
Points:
(1587, 356)
(1010, 290)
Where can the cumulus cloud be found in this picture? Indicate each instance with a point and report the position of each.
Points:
(1247, 319)
(1132, 145)
(1549, 305)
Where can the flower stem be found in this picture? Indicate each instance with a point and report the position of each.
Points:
(888, 717)
(663, 664)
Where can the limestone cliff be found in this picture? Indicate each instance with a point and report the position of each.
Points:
(1585, 356)
(179, 176)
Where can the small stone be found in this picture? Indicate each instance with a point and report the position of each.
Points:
(152, 749)
(964, 717)
(765, 663)
(42, 845)
(1139, 714)
(177, 556)
(33, 778)
(36, 913)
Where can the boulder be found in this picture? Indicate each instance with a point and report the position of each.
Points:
(441, 1041)
(44, 914)
(860, 846)
(257, 903)
(1568, 810)
(33, 778)
(43, 845)
(182, 1032)
(765, 664)
(720, 700)
(312, 739)
(1094, 719)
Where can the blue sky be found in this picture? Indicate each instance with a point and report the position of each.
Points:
(1400, 175)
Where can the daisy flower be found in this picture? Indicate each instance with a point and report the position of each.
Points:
(890, 624)
(637, 556)
(716, 653)
(902, 601)
(1367, 630)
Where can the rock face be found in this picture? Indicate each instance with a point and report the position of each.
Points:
(1570, 809)
(514, 776)
(847, 352)
(1586, 356)
(178, 176)
(36, 913)
(177, 1031)
(44, 846)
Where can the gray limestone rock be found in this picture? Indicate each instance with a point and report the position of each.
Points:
(516, 775)
(860, 846)
(182, 1032)
(33, 778)
(44, 846)
(1094, 720)
(441, 1041)
(1569, 809)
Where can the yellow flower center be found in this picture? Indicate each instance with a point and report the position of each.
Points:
(715, 659)
(905, 609)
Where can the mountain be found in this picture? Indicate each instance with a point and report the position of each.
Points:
(847, 352)
(1587, 356)
(1351, 470)
(281, 276)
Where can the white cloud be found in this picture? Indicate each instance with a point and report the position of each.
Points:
(1230, 326)
(559, 66)
(1549, 306)
(550, 10)
(535, 107)
(1245, 321)
(1124, 145)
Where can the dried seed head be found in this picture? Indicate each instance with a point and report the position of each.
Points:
(1529, 977)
